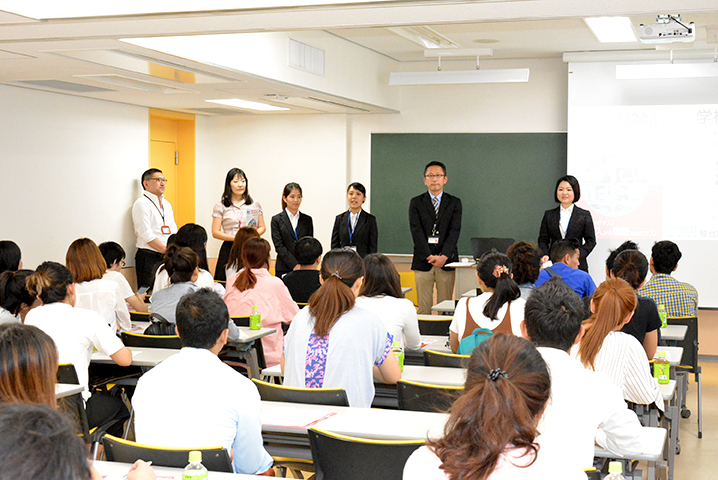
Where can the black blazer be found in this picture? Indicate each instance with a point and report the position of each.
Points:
(448, 225)
(365, 233)
(580, 227)
(284, 239)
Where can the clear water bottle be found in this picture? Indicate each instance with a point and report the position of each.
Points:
(399, 352)
(255, 319)
(663, 314)
(615, 471)
(195, 470)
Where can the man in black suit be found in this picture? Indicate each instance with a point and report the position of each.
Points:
(435, 222)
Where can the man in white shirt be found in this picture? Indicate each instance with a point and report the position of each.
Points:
(154, 222)
(193, 399)
(585, 406)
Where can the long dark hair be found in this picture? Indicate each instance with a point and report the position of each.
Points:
(255, 254)
(632, 266)
(50, 282)
(235, 254)
(227, 195)
(494, 270)
(507, 388)
(195, 237)
(340, 270)
(287, 190)
(380, 277)
(13, 291)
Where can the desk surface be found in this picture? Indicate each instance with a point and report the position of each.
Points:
(249, 334)
(667, 390)
(674, 332)
(141, 356)
(655, 439)
(66, 389)
(117, 470)
(447, 306)
(674, 354)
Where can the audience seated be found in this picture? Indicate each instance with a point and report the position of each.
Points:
(604, 348)
(181, 264)
(304, 281)
(492, 428)
(255, 286)
(28, 365)
(585, 407)
(10, 256)
(234, 262)
(114, 256)
(679, 298)
(15, 299)
(565, 258)
(526, 260)
(76, 331)
(333, 343)
(192, 399)
(38, 442)
(195, 237)
(381, 294)
(499, 308)
(92, 292)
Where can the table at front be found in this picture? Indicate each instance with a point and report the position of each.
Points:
(118, 471)
(465, 277)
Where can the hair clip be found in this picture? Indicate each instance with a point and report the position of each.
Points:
(336, 274)
(496, 373)
(499, 269)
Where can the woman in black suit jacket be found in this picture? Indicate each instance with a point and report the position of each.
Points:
(359, 232)
(284, 236)
(580, 226)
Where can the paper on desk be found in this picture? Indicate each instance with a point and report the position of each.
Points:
(243, 335)
(101, 356)
(294, 417)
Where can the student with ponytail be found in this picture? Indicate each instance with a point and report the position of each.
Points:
(632, 266)
(605, 349)
(492, 428)
(75, 331)
(335, 344)
(499, 308)
(254, 286)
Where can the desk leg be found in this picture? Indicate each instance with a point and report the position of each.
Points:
(253, 363)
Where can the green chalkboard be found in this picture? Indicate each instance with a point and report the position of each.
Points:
(505, 182)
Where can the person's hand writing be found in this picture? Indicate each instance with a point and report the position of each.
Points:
(141, 470)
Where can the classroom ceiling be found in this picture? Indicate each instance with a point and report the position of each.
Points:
(79, 56)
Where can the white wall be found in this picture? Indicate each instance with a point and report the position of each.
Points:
(69, 168)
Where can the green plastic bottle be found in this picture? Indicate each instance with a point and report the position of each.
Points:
(194, 470)
(662, 368)
(662, 313)
(399, 352)
(255, 319)
(615, 471)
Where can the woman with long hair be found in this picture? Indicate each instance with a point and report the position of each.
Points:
(234, 263)
(76, 331)
(288, 227)
(92, 292)
(632, 266)
(492, 427)
(333, 343)
(28, 365)
(604, 348)
(381, 294)
(237, 209)
(15, 299)
(254, 286)
(567, 221)
(356, 228)
(499, 308)
(192, 236)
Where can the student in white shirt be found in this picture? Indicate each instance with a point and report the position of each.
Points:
(114, 256)
(87, 265)
(381, 294)
(585, 407)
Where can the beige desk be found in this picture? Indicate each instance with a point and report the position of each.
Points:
(117, 471)
(66, 389)
(673, 333)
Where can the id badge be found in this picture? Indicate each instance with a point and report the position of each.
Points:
(166, 230)
(353, 247)
(434, 240)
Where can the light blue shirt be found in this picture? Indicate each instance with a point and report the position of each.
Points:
(438, 197)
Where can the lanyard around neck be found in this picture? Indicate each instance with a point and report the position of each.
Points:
(162, 212)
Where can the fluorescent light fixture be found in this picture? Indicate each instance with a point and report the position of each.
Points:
(666, 70)
(425, 36)
(514, 75)
(458, 52)
(246, 104)
(611, 29)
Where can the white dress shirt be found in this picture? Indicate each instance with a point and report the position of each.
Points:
(398, 316)
(192, 399)
(147, 217)
(564, 219)
(121, 281)
(293, 219)
(104, 297)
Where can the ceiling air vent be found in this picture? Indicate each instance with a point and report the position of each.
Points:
(60, 85)
(306, 58)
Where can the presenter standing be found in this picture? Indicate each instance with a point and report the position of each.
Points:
(435, 222)
(355, 228)
(154, 222)
(237, 209)
(288, 227)
(567, 221)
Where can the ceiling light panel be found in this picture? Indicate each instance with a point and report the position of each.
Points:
(247, 105)
(513, 75)
(612, 29)
(425, 36)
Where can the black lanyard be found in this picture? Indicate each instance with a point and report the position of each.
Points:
(162, 212)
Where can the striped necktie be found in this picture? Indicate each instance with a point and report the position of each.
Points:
(435, 201)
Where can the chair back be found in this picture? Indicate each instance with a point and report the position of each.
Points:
(139, 316)
(314, 396)
(434, 326)
(152, 341)
(117, 449)
(349, 458)
(433, 358)
(423, 397)
(481, 245)
(241, 321)
(66, 373)
(408, 280)
(690, 342)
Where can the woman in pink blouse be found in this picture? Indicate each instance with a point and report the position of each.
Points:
(255, 286)
(237, 209)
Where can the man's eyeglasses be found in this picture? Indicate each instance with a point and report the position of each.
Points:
(160, 179)
(434, 175)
